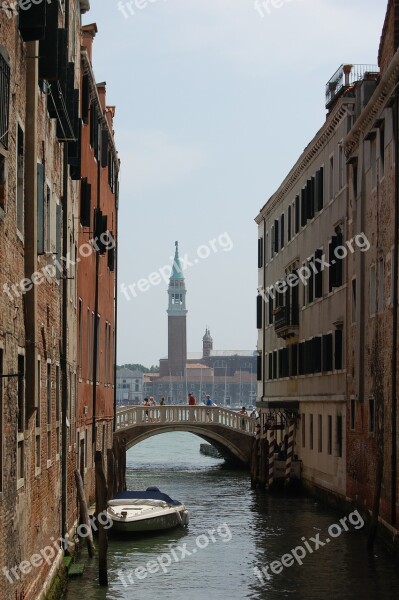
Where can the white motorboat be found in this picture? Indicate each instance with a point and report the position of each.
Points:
(152, 510)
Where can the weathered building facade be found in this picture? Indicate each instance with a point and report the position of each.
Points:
(96, 273)
(40, 189)
(372, 300)
(327, 306)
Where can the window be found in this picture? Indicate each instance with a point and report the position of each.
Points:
(341, 166)
(327, 350)
(329, 435)
(270, 365)
(353, 414)
(259, 312)
(48, 219)
(4, 96)
(382, 150)
(88, 345)
(289, 227)
(318, 280)
(303, 431)
(338, 348)
(98, 349)
(372, 291)
(336, 253)
(354, 293)
(311, 431)
(260, 253)
(57, 408)
(282, 229)
(304, 212)
(310, 287)
(319, 189)
(320, 434)
(371, 415)
(258, 368)
(20, 180)
(339, 433)
(380, 285)
(276, 236)
(21, 420)
(331, 188)
(272, 242)
(297, 211)
(39, 393)
(48, 393)
(373, 161)
(80, 338)
(41, 205)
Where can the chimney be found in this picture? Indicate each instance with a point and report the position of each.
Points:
(88, 34)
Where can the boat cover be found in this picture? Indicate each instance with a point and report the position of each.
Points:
(150, 494)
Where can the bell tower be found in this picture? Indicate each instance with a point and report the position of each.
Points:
(207, 344)
(177, 332)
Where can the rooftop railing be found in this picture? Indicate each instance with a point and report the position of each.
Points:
(345, 76)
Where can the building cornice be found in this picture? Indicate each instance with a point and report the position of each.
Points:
(375, 106)
(313, 148)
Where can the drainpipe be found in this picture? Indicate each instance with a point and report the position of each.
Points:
(64, 333)
(395, 317)
(116, 295)
(30, 225)
(95, 337)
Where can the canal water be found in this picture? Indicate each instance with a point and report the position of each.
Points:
(233, 531)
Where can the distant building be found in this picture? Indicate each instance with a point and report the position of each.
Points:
(228, 376)
(129, 387)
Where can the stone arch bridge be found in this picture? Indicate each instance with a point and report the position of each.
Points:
(231, 433)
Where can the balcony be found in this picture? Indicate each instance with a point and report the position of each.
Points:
(346, 76)
(286, 321)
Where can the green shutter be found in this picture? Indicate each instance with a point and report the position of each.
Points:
(40, 208)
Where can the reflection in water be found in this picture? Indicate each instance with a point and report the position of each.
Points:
(263, 529)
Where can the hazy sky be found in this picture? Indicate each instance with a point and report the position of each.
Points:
(214, 105)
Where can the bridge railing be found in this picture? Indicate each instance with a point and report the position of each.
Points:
(182, 413)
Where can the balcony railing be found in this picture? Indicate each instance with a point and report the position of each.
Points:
(286, 320)
(347, 75)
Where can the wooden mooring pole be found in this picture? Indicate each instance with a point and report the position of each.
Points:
(84, 513)
(101, 507)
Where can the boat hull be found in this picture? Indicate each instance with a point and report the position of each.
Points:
(159, 523)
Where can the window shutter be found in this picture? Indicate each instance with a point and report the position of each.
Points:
(270, 365)
(259, 367)
(32, 21)
(282, 226)
(111, 259)
(58, 219)
(317, 354)
(40, 208)
(301, 358)
(320, 188)
(276, 235)
(85, 203)
(104, 147)
(338, 348)
(333, 265)
(319, 275)
(48, 47)
(259, 312)
(303, 207)
(85, 99)
(294, 360)
(275, 364)
(297, 210)
(289, 231)
(339, 261)
(327, 352)
(270, 311)
(311, 282)
(4, 97)
(309, 200)
(260, 253)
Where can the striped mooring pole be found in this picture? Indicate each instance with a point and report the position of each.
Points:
(290, 451)
(271, 458)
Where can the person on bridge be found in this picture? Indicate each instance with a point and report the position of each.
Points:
(162, 403)
(192, 402)
(208, 403)
(243, 413)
